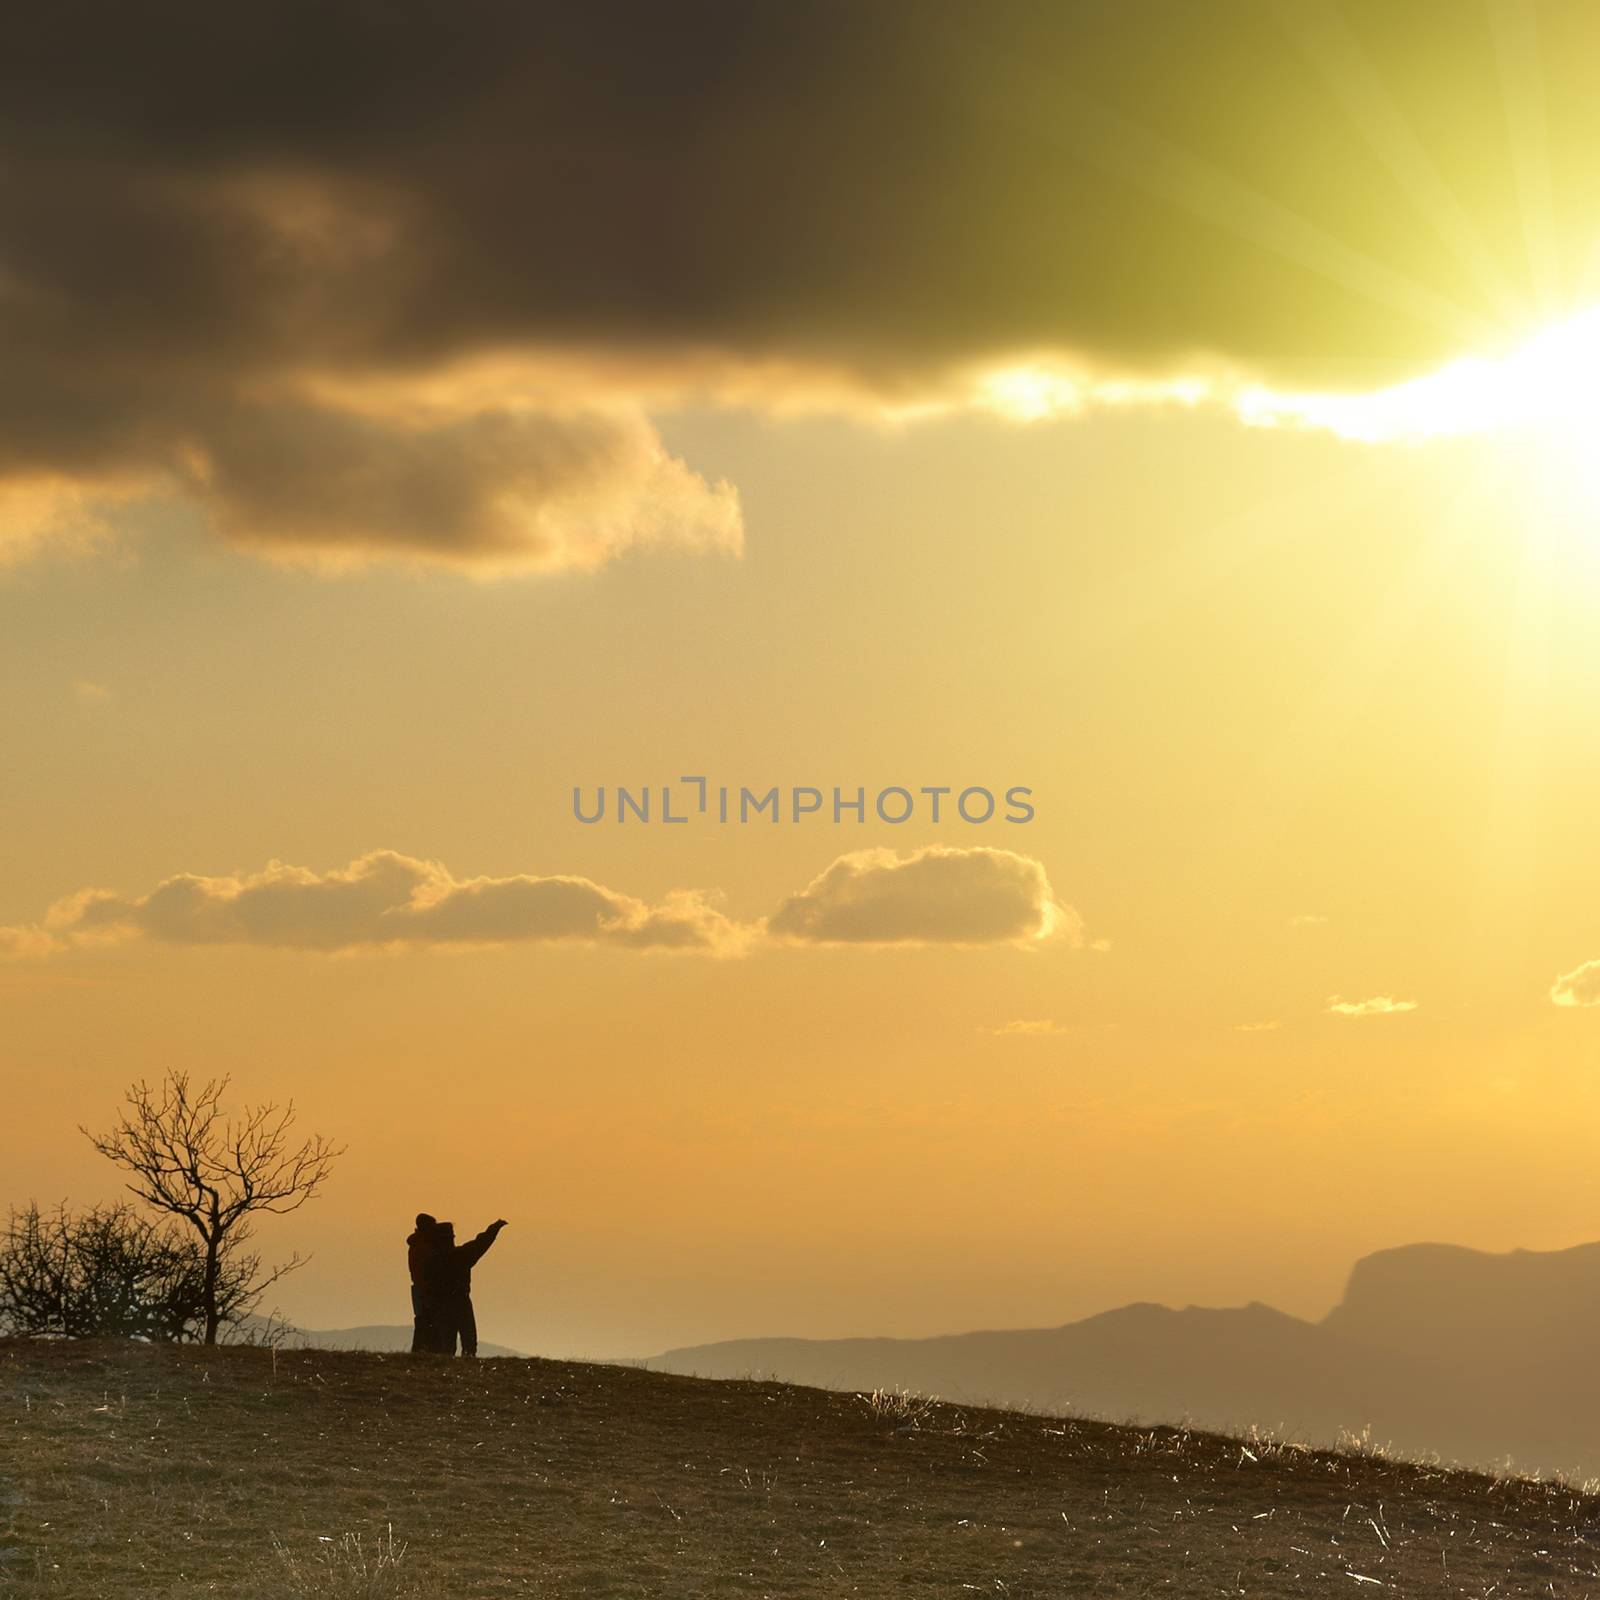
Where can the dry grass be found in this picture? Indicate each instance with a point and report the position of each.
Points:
(900, 1406)
(346, 1568)
(158, 1472)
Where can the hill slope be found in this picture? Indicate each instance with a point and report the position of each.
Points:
(1479, 1358)
(377, 1336)
(162, 1472)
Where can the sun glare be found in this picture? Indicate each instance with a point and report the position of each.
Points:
(1034, 393)
(1543, 398)
(1536, 409)
(1551, 382)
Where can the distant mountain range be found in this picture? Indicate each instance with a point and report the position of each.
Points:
(1481, 1359)
(379, 1336)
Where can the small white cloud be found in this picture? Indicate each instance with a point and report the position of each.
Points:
(1380, 1005)
(1255, 1027)
(90, 692)
(1580, 987)
(1027, 1028)
(1308, 919)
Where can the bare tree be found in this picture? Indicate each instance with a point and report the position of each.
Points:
(186, 1158)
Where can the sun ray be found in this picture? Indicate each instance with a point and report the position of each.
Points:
(1515, 32)
(1141, 156)
(1136, 154)
(1326, 40)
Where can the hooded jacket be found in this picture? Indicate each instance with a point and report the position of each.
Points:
(447, 1268)
(419, 1245)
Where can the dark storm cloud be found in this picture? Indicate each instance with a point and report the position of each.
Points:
(204, 208)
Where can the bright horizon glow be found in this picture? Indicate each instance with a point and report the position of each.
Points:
(1550, 381)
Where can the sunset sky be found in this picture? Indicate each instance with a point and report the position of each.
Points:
(1185, 412)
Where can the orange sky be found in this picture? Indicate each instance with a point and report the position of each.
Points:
(1263, 698)
(1192, 425)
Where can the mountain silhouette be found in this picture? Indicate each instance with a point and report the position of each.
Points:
(1442, 1303)
(1482, 1359)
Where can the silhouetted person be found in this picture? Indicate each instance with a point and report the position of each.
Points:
(426, 1311)
(447, 1284)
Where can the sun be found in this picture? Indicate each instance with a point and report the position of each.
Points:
(1536, 408)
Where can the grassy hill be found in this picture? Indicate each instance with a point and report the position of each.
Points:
(380, 1336)
(161, 1472)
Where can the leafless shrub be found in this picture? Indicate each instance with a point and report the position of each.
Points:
(108, 1271)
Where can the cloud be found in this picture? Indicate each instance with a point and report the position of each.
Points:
(1378, 1006)
(1580, 987)
(497, 489)
(40, 511)
(1256, 1027)
(386, 900)
(389, 900)
(1035, 1028)
(24, 944)
(296, 434)
(1308, 919)
(340, 331)
(938, 895)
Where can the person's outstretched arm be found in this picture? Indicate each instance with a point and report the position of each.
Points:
(472, 1251)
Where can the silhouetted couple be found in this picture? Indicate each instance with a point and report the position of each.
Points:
(441, 1286)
